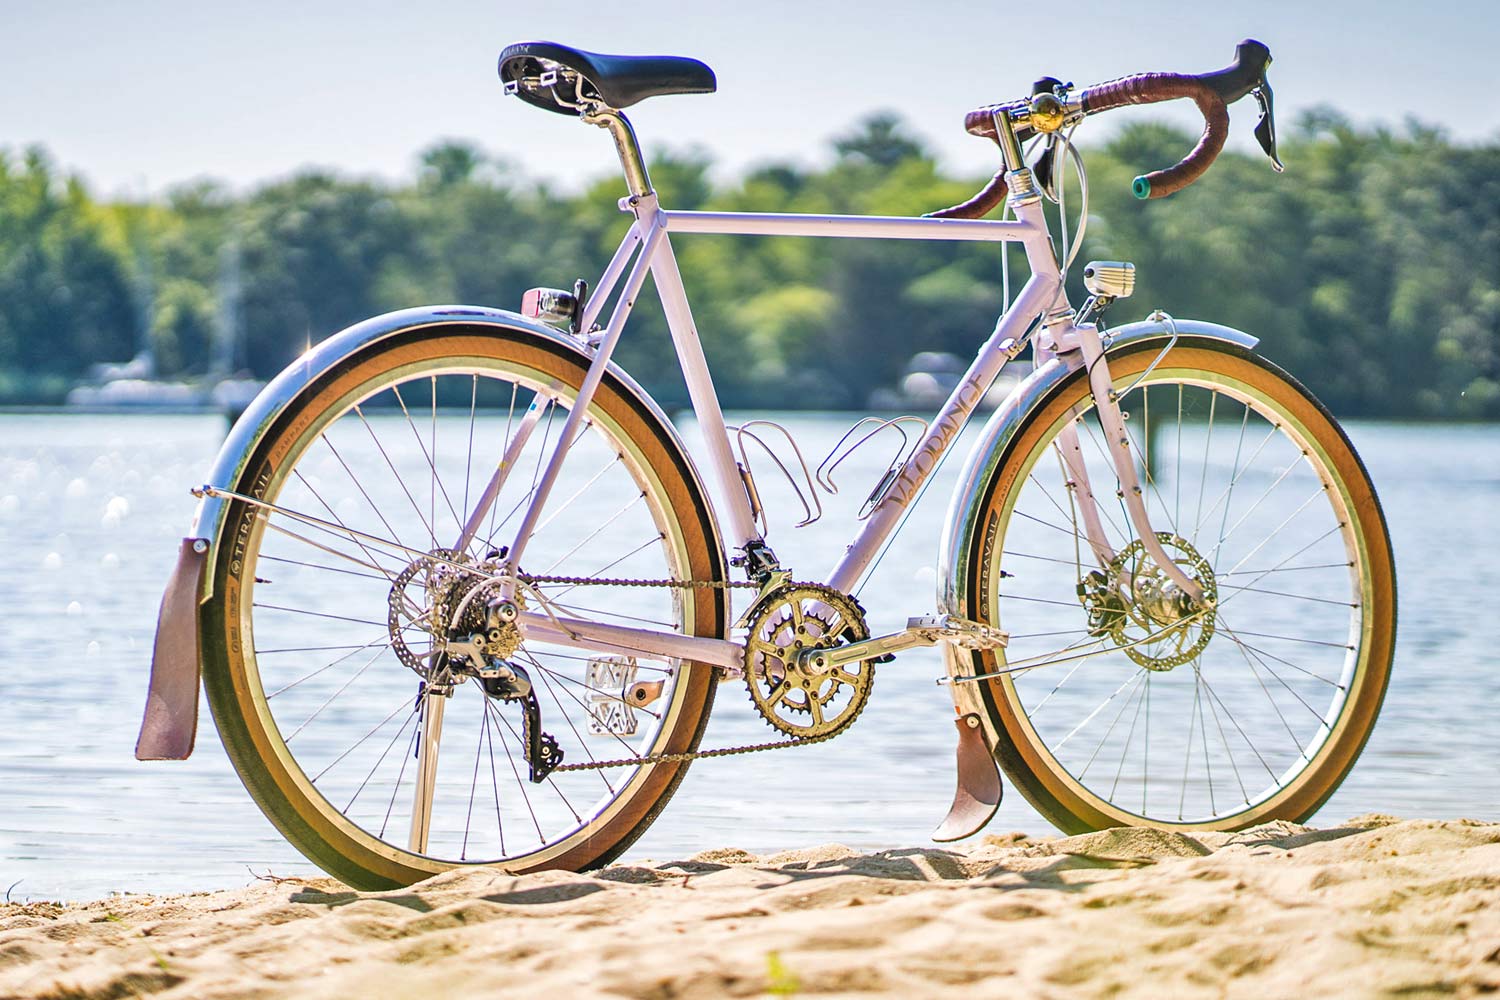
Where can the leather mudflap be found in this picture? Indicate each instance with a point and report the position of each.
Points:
(171, 720)
(979, 788)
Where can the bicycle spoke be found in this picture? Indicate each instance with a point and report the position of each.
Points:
(426, 524)
(360, 742)
(1208, 440)
(329, 701)
(1277, 528)
(327, 439)
(319, 566)
(400, 776)
(549, 782)
(1213, 696)
(1140, 701)
(463, 850)
(634, 502)
(382, 642)
(1134, 677)
(1223, 739)
(378, 761)
(520, 783)
(1105, 738)
(1187, 758)
(1250, 652)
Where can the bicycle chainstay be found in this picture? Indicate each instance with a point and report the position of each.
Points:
(669, 758)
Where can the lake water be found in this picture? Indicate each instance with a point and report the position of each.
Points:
(91, 509)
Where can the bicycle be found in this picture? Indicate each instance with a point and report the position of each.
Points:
(459, 594)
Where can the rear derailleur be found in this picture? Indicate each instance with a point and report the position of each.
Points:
(508, 682)
(449, 599)
(505, 681)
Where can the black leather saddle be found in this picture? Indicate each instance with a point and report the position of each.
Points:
(537, 72)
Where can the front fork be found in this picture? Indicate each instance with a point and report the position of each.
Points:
(1085, 339)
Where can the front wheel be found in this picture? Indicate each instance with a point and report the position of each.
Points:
(1119, 702)
(334, 645)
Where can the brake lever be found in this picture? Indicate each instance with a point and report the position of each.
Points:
(1042, 171)
(1265, 129)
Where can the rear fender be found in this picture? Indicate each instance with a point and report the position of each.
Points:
(176, 664)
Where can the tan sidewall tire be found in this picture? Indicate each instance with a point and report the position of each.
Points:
(279, 787)
(1057, 796)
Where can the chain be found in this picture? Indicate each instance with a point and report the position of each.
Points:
(580, 581)
(667, 758)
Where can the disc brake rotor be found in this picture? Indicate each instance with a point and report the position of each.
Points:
(792, 698)
(442, 596)
(1136, 604)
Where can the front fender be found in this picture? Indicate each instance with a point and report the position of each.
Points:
(959, 532)
(171, 715)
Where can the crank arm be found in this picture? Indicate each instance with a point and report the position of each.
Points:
(925, 630)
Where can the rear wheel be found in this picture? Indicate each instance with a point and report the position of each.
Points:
(1119, 703)
(334, 613)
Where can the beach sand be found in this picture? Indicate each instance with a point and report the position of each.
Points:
(1374, 907)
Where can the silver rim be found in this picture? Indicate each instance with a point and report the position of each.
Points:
(393, 472)
(1165, 724)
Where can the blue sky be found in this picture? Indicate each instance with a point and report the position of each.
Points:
(140, 96)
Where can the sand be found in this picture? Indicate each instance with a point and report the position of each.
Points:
(1375, 907)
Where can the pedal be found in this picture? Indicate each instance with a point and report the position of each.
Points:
(960, 631)
(613, 695)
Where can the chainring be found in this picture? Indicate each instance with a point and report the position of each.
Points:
(793, 699)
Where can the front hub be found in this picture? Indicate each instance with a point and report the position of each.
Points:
(1136, 604)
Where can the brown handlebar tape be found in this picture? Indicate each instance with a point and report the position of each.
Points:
(1151, 88)
(1146, 88)
(990, 197)
(981, 122)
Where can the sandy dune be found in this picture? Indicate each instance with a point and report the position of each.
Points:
(1374, 907)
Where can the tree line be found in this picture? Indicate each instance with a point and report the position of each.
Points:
(1371, 269)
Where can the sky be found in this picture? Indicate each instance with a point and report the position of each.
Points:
(138, 97)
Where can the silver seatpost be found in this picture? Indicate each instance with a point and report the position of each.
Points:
(626, 145)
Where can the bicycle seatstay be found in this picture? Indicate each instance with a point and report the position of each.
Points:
(591, 382)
